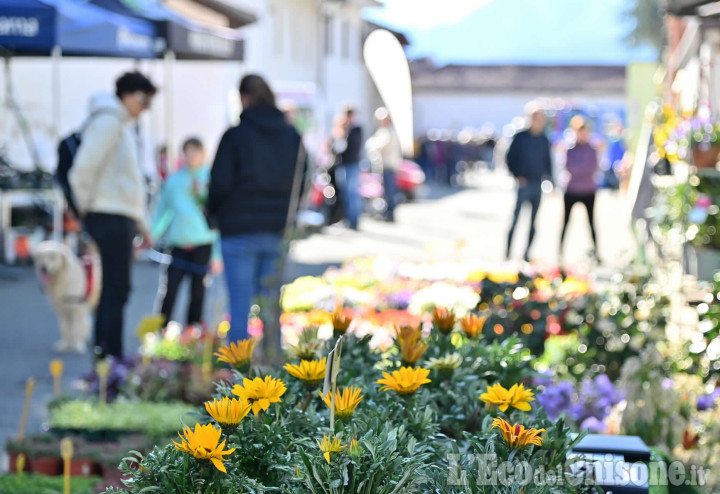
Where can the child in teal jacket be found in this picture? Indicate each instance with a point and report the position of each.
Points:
(179, 217)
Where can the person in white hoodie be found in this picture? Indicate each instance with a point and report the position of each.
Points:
(109, 189)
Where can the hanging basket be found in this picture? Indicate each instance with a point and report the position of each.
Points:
(706, 158)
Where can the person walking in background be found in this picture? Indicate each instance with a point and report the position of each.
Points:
(180, 218)
(346, 144)
(384, 151)
(528, 159)
(109, 190)
(582, 166)
(251, 184)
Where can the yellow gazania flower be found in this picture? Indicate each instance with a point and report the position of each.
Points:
(517, 436)
(202, 443)
(517, 397)
(237, 354)
(405, 381)
(444, 320)
(521, 397)
(260, 393)
(227, 412)
(310, 372)
(340, 322)
(411, 346)
(345, 402)
(330, 445)
(448, 363)
(472, 325)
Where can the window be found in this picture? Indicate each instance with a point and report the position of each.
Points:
(278, 28)
(345, 40)
(329, 36)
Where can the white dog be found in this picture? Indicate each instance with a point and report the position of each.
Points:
(73, 290)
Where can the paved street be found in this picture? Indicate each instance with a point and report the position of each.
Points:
(432, 228)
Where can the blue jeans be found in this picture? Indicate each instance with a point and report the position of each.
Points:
(348, 178)
(530, 193)
(251, 263)
(390, 192)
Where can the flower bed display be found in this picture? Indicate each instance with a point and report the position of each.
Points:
(400, 412)
(510, 364)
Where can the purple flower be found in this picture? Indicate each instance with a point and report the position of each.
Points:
(544, 379)
(706, 402)
(119, 369)
(400, 300)
(593, 425)
(556, 399)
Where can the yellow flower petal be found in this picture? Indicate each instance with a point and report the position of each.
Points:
(218, 464)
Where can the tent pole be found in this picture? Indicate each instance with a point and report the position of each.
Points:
(169, 116)
(14, 107)
(56, 92)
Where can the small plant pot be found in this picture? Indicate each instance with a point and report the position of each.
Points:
(12, 457)
(706, 158)
(46, 465)
(82, 467)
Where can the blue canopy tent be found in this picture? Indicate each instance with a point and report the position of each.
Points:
(37, 27)
(184, 38)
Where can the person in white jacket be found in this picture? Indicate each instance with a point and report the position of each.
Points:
(384, 151)
(109, 189)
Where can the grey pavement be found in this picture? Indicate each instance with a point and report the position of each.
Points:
(431, 228)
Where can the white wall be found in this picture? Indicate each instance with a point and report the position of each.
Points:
(445, 110)
(202, 102)
(346, 78)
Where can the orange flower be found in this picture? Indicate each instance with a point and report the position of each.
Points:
(444, 320)
(340, 322)
(238, 354)
(472, 325)
(517, 436)
(412, 348)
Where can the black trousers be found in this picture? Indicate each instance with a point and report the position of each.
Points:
(587, 200)
(186, 262)
(114, 236)
(530, 193)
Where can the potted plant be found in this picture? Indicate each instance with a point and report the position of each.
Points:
(704, 136)
(15, 449)
(109, 423)
(703, 231)
(31, 483)
(42, 452)
(84, 461)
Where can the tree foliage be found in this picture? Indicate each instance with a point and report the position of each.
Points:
(649, 29)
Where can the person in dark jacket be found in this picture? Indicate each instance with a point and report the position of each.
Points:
(528, 159)
(346, 144)
(582, 166)
(249, 198)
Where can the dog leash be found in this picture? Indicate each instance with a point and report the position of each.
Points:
(168, 260)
